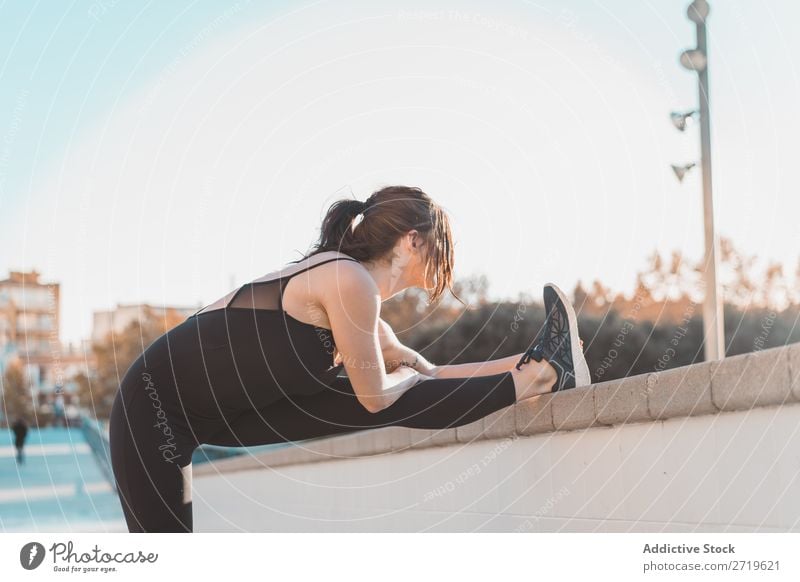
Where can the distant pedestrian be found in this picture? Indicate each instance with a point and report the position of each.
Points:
(20, 428)
(59, 412)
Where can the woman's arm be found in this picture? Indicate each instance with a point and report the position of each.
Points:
(352, 306)
(396, 354)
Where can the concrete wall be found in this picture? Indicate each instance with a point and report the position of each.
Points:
(711, 447)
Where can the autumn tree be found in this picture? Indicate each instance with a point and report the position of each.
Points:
(409, 310)
(115, 354)
(17, 399)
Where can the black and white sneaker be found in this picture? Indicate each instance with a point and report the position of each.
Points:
(558, 342)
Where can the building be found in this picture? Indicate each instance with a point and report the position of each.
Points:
(29, 324)
(30, 331)
(116, 320)
(30, 337)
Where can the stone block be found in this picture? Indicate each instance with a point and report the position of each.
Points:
(443, 436)
(749, 380)
(622, 401)
(500, 424)
(421, 438)
(684, 391)
(355, 444)
(383, 439)
(470, 432)
(574, 409)
(534, 415)
(400, 437)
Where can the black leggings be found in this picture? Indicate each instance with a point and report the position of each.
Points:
(152, 439)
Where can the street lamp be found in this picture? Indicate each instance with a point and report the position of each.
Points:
(696, 60)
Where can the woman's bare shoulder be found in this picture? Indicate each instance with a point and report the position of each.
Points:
(347, 277)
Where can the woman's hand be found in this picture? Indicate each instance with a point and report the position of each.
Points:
(424, 377)
(395, 354)
(409, 372)
(409, 377)
(433, 371)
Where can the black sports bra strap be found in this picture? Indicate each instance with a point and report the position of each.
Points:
(266, 292)
(285, 280)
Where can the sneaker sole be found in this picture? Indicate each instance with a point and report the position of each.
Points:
(582, 377)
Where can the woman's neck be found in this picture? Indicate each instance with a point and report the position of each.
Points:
(389, 278)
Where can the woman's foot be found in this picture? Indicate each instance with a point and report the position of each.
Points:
(534, 379)
(558, 342)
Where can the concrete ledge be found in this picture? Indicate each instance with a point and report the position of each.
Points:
(765, 378)
(750, 380)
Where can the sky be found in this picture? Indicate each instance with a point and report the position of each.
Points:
(165, 152)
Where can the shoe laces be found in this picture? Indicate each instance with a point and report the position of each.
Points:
(534, 352)
(549, 340)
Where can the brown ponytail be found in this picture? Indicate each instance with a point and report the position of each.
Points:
(389, 214)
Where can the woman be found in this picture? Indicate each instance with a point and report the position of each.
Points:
(261, 365)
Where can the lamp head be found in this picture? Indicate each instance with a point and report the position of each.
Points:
(682, 119)
(681, 171)
(698, 11)
(694, 60)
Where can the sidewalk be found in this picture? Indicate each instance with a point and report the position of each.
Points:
(59, 487)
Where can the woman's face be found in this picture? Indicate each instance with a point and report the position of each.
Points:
(410, 254)
(416, 266)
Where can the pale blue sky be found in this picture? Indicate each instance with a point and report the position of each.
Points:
(157, 151)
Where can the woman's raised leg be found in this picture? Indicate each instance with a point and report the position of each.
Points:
(433, 404)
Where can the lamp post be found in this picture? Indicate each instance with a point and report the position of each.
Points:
(697, 60)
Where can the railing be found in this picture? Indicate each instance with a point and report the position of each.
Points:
(96, 434)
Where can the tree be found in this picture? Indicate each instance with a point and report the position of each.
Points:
(738, 285)
(17, 399)
(409, 310)
(115, 355)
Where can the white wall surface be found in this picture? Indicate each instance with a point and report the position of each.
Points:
(732, 471)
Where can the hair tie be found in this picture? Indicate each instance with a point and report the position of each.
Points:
(358, 217)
